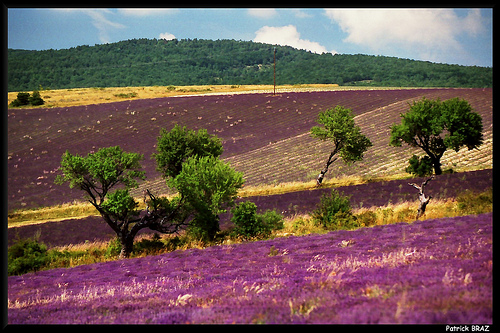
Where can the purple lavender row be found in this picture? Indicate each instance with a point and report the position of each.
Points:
(371, 194)
(37, 138)
(428, 272)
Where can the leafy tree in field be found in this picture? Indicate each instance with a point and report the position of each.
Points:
(208, 186)
(436, 126)
(36, 99)
(177, 145)
(23, 98)
(339, 127)
(205, 186)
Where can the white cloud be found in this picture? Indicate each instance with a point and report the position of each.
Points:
(301, 14)
(262, 12)
(102, 24)
(167, 36)
(145, 11)
(287, 35)
(426, 32)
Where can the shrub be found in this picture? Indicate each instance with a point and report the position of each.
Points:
(272, 220)
(114, 248)
(149, 246)
(36, 99)
(248, 223)
(26, 255)
(24, 98)
(420, 167)
(245, 219)
(334, 212)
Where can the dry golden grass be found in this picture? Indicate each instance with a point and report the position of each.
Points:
(87, 96)
(392, 213)
(250, 191)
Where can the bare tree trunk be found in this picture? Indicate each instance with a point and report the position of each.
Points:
(321, 175)
(127, 247)
(421, 197)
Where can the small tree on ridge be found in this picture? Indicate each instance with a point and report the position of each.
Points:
(436, 126)
(339, 127)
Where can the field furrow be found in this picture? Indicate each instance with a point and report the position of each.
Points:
(265, 136)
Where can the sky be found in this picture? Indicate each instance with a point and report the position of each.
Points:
(450, 35)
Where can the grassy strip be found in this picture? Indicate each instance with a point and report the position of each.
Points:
(84, 209)
(98, 95)
(87, 253)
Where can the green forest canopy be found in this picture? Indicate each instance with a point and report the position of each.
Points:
(147, 62)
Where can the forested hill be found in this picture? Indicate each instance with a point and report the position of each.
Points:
(148, 62)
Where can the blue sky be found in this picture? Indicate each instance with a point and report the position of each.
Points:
(455, 36)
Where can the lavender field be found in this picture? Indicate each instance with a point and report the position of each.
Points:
(264, 136)
(433, 271)
(445, 186)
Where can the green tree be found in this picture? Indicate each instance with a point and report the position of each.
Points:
(209, 186)
(36, 99)
(436, 126)
(339, 127)
(23, 98)
(420, 167)
(205, 186)
(177, 145)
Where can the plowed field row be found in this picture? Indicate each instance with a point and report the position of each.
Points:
(265, 136)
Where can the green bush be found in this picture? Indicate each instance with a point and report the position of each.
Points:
(24, 98)
(36, 99)
(334, 212)
(114, 248)
(26, 255)
(245, 219)
(149, 246)
(420, 167)
(248, 223)
(272, 220)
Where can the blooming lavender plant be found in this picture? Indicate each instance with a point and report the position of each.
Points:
(432, 271)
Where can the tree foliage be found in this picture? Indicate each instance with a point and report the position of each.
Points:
(24, 98)
(209, 186)
(339, 128)
(177, 145)
(436, 126)
(420, 167)
(147, 62)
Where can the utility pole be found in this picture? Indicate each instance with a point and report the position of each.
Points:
(274, 93)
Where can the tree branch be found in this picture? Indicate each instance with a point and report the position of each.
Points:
(421, 196)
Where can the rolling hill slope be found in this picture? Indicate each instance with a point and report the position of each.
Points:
(148, 62)
(264, 136)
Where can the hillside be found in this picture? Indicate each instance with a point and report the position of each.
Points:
(148, 62)
(437, 271)
(264, 136)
